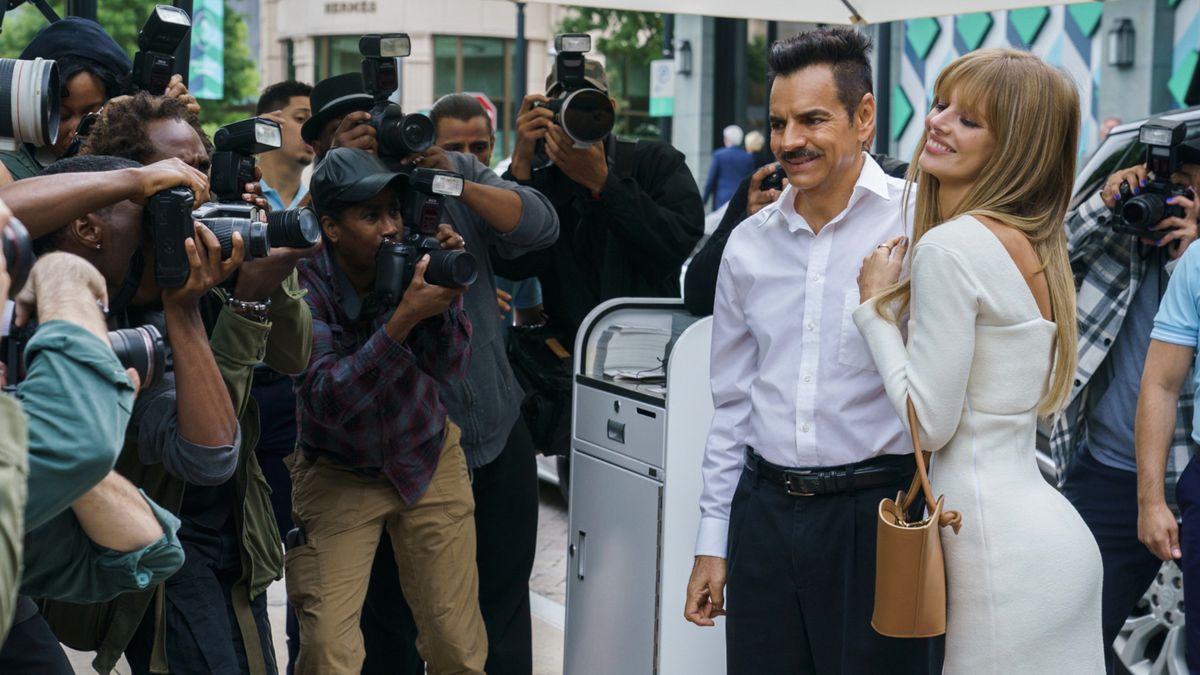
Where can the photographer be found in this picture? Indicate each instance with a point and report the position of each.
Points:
(372, 425)
(339, 107)
(629, 215)
(1120, 278)
(500, 217)
(228, 534)
(92, 69)
(89, 534)
(286, 103)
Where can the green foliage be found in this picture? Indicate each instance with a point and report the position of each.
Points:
(123, 19)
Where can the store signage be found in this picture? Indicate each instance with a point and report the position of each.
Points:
(662, 88)
(356, 7)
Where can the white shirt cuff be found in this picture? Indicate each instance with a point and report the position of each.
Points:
(713, 537)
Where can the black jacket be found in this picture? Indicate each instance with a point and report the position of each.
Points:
(700, 283)
(631, 241)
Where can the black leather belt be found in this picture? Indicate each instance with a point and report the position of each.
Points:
(825, 480)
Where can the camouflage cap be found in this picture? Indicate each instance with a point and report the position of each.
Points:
(593, 72)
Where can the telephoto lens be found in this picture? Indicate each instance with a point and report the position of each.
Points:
(255, 241)
(18, 254)
(586, 115)
(293, 228)
(29, 95)
(145, 350)
(452, 269)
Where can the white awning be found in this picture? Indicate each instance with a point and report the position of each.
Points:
(813, 11)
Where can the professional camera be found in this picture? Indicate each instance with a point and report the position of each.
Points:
(397, 134)
(396, 261)
(30, 91)
(1137, 214)
(142, 348)
(159, 39)
(584, 112)
(18, 254)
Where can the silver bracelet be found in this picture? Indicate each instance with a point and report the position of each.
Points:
(255, 311)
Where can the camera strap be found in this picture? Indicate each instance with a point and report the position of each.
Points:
(622, 156)
(133, 279)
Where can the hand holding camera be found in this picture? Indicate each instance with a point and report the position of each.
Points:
(64, 287)
(166, 174)
(354, 131)
(533, 122)
(765, 187)
(207, 268)
(258, 278)
(1146, 200)
(585, 166)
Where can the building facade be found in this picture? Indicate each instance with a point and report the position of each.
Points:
(457, 45)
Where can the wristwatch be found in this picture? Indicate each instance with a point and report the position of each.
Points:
(255, 311)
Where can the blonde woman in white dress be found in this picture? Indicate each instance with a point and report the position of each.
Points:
(991, 346)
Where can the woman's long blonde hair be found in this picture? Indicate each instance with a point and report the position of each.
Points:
(1032, 111)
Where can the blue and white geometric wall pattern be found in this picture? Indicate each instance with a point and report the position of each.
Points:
(1066, 36)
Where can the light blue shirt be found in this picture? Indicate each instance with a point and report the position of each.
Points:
(1178, 318)
(276, 201)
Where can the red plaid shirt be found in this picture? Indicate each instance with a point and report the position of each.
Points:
(366, 400)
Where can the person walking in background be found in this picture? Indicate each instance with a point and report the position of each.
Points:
(729, 166)
(991, 346)
(756, 145)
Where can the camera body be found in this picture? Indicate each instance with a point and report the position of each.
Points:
(154, 64)
(142, 348)
(774, 181)
(396, 264)
(225, 218)
(1137, 214)
(397, 134)
(18, 254)
(584, 112)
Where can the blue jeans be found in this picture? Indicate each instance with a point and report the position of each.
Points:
(1187, 494)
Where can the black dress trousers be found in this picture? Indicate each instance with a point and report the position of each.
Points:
(801, 586)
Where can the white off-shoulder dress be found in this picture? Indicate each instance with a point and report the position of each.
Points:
(1024, 573)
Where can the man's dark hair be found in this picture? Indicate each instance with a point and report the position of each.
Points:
(52, 241)
(845, 50)
(462, 107)
(278, 95)
(114, 83)
(121, 129)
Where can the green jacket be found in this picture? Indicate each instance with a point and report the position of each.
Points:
(12, 506)
(238, 345)
(21, 163)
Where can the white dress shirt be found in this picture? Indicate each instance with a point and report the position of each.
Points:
(791, 375)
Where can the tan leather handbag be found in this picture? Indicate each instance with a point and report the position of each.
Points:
(910, 573)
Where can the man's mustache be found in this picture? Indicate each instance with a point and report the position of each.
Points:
(794, 155)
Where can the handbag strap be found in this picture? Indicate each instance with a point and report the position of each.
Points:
(921, 477)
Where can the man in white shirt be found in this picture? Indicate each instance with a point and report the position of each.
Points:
(804, 442)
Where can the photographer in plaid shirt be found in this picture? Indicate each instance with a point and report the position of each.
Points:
(1120, 280)
(376, 449)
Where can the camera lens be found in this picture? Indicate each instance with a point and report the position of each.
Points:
(29, 92)
(293, 228)
(18, 254)
(587, 115)
(1143, 210)
(143, 349)
(254, 236)
(452, 269)
(399, 134)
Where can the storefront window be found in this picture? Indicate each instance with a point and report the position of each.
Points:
(475, 64)
(336, 55)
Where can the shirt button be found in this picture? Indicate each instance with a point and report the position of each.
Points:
(808, 378)
(811, 326)
(804, 428)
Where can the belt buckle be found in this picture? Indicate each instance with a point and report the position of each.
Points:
(787, 484)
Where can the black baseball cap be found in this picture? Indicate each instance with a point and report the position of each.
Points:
(335, 97)
(350, 176)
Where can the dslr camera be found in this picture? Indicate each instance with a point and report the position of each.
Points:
(169, 213)
(30, 91)
(584, 112)
(154, 64)
(1137, 214)
(142, 348)
(397, 134)
(396, 260)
